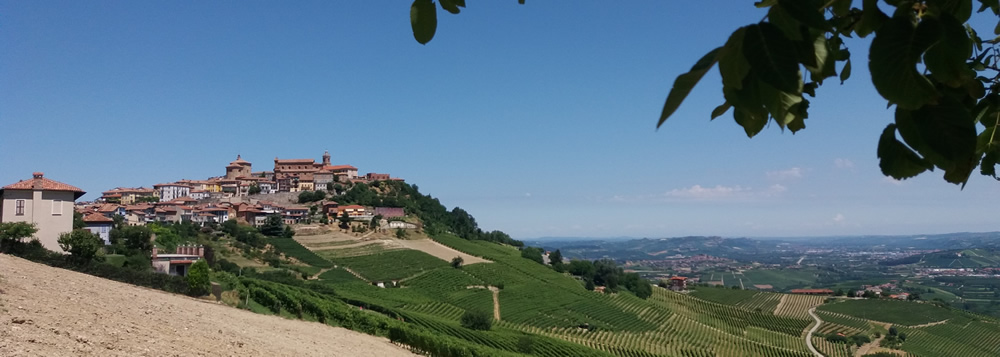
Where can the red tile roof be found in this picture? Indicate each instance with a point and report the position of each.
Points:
(44, 184)
(97, 218)
(340, 167)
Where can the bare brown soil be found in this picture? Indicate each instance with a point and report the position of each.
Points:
(47, 311)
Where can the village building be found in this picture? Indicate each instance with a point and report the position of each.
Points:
(128, 195)
(100, 225)
(678, 283)
(46, 203)
(178, 263)
(171, 191)
(238, 168)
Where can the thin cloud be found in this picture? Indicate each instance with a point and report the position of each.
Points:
(699, 192)
(788, 174)
(839, 218)
(843, 163)
(892, 181)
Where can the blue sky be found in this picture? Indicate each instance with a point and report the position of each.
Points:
(538, 119)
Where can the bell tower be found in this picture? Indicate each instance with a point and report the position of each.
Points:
(326, 158)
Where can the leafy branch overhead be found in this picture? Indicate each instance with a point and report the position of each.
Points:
(925, 59)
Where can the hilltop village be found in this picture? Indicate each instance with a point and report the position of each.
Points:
(241, 194)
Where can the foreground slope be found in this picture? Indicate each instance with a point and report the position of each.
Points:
(54, 312)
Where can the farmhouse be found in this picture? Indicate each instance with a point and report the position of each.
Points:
(46, 203)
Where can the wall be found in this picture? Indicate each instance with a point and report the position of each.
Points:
(38, 209)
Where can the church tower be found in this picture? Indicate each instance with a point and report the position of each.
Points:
(326, 158)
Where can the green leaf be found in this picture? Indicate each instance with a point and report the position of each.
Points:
(944, 134)
(822, 55)
(722, 109)
(892, 61)
(989, 4)
(872, 18)
(771, 56)
(801, 111)
(780, 17)
(450, 6)
(841, 7)
(961, 10)
(423, 20)
(685, 82)
(946, 58)
(846, 72)
(752, 121)
(765, 3)
(896, 160)
(807, 12)
(779, 103)
(733, 65)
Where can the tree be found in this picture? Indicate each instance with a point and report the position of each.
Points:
(274, 226)
(477, 320)
(254, 189)
(198, 279)
(532, 253)
(81, 244)
(893, 331)
(456, 262)
(925, 59)
(902, 336)
(851, 293)
(400, 233)
(345, 220)
(132, 239)
(14, 232)
(78, 220)
(555, 258)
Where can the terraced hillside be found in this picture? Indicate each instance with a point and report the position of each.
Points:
(545, 313)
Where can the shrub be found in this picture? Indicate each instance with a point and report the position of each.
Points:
(198, 279)
(81, 244)
(477, 320)
(456, 262)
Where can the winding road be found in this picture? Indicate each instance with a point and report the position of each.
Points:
(809, 336)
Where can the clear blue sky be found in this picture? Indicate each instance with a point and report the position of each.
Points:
(538, 119)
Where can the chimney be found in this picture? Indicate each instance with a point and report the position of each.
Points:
(37, 180)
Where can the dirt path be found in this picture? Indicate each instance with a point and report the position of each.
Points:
(809, 336)
(496, 298)
(496, 302)
(866, 348)
(780, 304)
(54, 312)
(321, 271)
(356, 274)
(929, 324)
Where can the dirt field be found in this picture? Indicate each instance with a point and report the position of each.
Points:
(440, 250)
(46, 311)
(332, 240)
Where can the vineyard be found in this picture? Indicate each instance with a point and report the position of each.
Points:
(907, 313)
(747, 299)
(797, 306)
(547, 313)
(958, 337)
(391, 265)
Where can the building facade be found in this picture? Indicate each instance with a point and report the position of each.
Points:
(46, 203)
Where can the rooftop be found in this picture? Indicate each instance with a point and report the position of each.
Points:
(39, 182)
